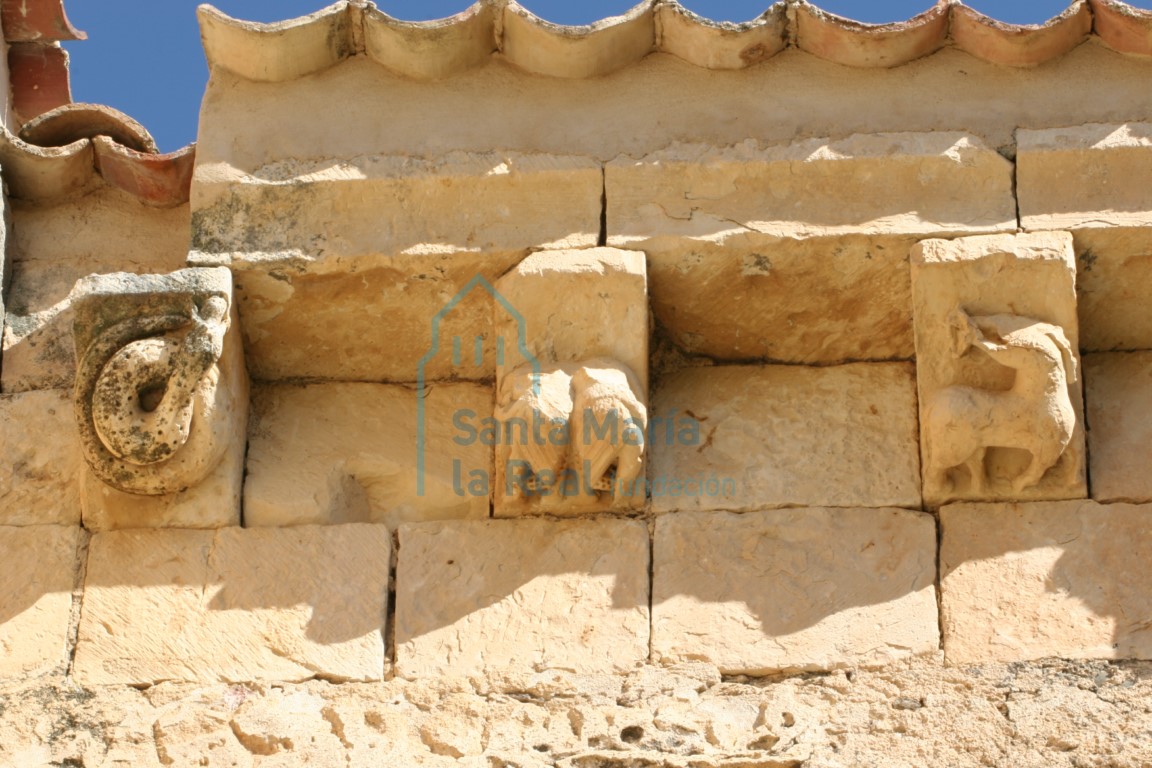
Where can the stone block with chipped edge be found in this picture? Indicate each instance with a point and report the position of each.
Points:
(747, 264)
(414, 234)
(215, 501)
(604, 312)
(1028, 276)
(39, 476)
(1118, 395)
(601, 325)
(1064, 579)
(794, 589)
(1084, 176)
(234, 605)
(1113, 265)
(886, 183)
(498, 598)
(816, 300)
(745, 438)
(38, 570)
(51, 247)
(347, 452)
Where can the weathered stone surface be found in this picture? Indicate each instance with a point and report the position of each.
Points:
(339, 453)
(1055, 713)
(38, 567)
(1035, 580)
(796, 300)
(794, 589)
(178, 462)
(1114, 263)
(414, 234)
(573, 379)
(1118, 391)
(1084, 176)
(234, 605)
(603, 313)
(39, 474)
(747, 264)
(997, 366)
(54, 246)
(741, 438)
(888, 183)
(499, 599)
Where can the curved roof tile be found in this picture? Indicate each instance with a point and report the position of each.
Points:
(720, 45)
(1122, 27)
(1020, 45)
(61, 152)
(431, 50)
(37, 21)
(436, 49)
(854, 44)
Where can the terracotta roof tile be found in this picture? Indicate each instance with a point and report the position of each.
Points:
(854, 44)
(435, 49)
(1122, 27)
(41, 21)
(1020, 45)
(70, 122)
(38, 73)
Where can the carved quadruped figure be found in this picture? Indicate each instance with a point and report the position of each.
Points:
(533, 408)
(609, 424)
(1036, 414)
(147, 383)
(568, 426)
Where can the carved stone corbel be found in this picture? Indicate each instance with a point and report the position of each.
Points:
(161, 397)
(571, 401)
(1001, 410)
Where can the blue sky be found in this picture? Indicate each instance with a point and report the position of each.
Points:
(144, 57)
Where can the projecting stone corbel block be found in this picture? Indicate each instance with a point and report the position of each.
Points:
(998, 368)
(161, 400)
(571, 421)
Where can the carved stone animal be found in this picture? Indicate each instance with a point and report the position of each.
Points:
(609, 424)
(521, 407)
(1035, 415)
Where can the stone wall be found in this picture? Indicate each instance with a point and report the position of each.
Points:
(655, 393)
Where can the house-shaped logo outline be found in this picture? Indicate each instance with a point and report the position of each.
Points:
(521, 345)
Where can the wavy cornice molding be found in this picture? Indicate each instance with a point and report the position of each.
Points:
(434, 49)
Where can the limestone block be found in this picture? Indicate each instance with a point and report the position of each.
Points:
(819, 300)
(1118, 391)
(38, 567)
(997, 364)
(742, 437)
(1084, 176)
(383, 294)
(337, 453)
(794, 589)
(606, 288)
(1114, 264)
(161, 399)
(39, 474)
(521, 596)
(572, 383)
(747, 263)
(1034, 580)
(54, 246)
(886, 183)
(234, 605)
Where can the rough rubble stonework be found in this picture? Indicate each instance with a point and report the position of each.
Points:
(659, 393)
